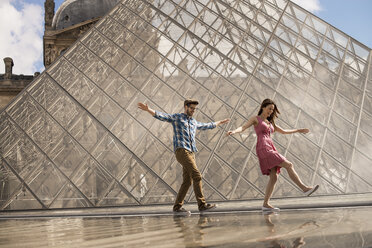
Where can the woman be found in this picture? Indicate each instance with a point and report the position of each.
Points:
(270, 160)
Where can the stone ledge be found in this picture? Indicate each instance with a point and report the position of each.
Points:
(286, 204)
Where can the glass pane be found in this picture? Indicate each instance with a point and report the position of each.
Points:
(368, 103)
(361, 166)
(353, 77)
(290, 91)
(304, 150)
(25, 111)
(338, 149)
(338, 37)
(46, 133)
(288, 110)
(46, 182)
(342, 128)
(366, 122)
(346, 109)
(350, 92)
(23, 157)
(221, 176)
(316, 128)
(67, 155)
(325, 76)
(322, 93)
(360, 50)
(364, 143)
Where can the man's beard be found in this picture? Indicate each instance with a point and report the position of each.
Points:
(189, 113)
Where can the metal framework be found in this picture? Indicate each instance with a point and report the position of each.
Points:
(75, 138)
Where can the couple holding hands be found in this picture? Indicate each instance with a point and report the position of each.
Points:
(185, 126)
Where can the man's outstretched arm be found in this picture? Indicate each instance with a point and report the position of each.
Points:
(211, 125)
(158, 115)
(222, 122)
(145, 107)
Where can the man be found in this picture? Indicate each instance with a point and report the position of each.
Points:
(184, 127)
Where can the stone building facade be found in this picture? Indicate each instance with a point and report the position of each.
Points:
(62, 28)
(72, 19)
(11, 84)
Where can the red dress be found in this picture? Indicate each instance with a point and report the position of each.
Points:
(267, 155)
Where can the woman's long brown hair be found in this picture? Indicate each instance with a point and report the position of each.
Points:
(275, 113)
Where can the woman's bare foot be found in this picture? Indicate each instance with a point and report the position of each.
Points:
(267, 205)
(306, 189)
(309, 190)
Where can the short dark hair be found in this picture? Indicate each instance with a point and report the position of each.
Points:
(187, 102)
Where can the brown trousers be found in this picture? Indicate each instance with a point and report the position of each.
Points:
(191, 175)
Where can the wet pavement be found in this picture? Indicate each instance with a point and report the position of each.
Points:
(309, 227)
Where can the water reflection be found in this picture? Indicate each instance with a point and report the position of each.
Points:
(289, 229)
(193, 234)
(275, 242)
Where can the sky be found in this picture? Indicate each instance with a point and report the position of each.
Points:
(22, 27)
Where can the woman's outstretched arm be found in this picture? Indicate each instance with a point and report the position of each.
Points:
(289, 131)
(250, 122)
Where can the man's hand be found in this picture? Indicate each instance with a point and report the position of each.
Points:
(222, 122)
(145, 107)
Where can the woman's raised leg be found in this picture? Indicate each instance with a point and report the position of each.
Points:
(293, 175)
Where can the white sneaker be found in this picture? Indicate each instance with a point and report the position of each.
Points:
(274, 209)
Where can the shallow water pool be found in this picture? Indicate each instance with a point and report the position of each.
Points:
(333, 227)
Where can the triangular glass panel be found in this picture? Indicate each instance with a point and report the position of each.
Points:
(284, 187)
(279, 3)
(92, 180)
(154, 154)
(243, 190)
(360, 50)
(14, 193)
(299, 13)
(360, 166)
(157, 192)
(70, 197)
(319, 25)
(116, 196)
(357, 184)
(21, 199)
(363, 141)
(46, 182)
(210, 194)
(221, 177)
(338, 37)
(173, 175)
(333, 172)
(325, 188)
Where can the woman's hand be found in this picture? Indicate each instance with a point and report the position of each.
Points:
(303, 130)
(229, 133)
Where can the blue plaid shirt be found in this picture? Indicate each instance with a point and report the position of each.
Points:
(184, 128)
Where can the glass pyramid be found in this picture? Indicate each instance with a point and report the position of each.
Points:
(75, 137)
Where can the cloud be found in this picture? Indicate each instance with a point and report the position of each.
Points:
(310, 5)
(21, 36)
